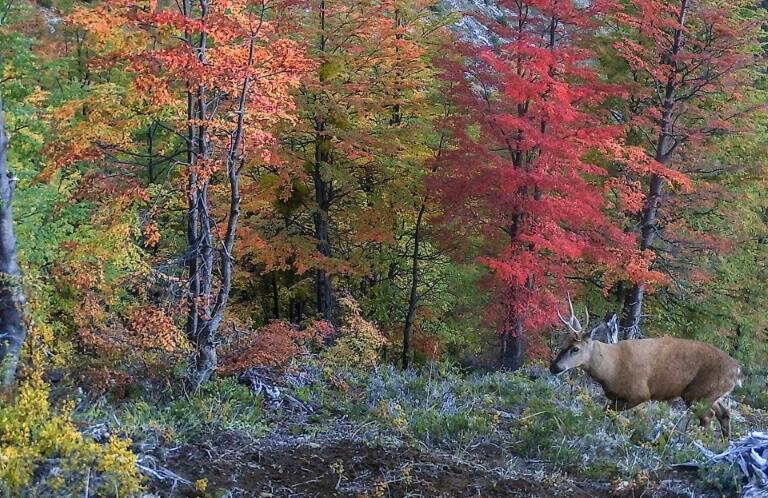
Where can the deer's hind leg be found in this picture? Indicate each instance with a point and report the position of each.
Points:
(724, 417)
(620, 405)
(702, 408)
(705, 417)
(707, 392)
(705, 409)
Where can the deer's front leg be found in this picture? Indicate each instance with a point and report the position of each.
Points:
(618, 405)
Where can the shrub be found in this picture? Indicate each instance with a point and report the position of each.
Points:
(221, 404)
(273, 345)
(141, 335)
(359, 342)
(33, 433)
(449, 426)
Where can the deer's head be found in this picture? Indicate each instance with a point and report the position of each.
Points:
(576, 349)
(578, 345)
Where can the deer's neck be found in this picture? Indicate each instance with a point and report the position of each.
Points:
(601, 366)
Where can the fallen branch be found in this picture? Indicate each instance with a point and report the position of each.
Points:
(158, 472)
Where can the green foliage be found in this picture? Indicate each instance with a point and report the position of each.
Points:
(461, 428)
(723, 477)
(222, 404)
(542, 418)
(753, 392)
(86, 270)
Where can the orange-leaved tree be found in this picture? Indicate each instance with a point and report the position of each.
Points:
(215, 75)
(685, 63)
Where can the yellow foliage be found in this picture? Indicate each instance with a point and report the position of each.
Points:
(31, 432)
(360, 342)
(201, 485)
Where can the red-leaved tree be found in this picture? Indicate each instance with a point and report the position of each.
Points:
(528, 119)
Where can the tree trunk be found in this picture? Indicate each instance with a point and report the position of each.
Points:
(275, 297)
(512, 354)
(323, 194)
(633, 305)
(512, 348)
(323, 284)
(12, 301)
(206, 311)
(151, 173)
(413, 297)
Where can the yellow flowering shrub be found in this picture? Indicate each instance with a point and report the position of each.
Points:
(32, 433)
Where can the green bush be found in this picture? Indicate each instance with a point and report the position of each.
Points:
(220, 404)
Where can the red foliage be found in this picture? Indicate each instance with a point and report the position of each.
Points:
(527, 117)
(687, 61)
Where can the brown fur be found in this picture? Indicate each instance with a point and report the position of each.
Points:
(635, 371)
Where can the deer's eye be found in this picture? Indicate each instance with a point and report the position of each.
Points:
(574, 350)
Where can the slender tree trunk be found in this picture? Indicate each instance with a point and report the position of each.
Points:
(12, 301)
(203, 325)
(275, 297)
(512, 340)
(202, 335)
(512, 344)
(413, 297)
(193, 291)
(323, 284)
(151, 173)
(512, 348)
(633, 305)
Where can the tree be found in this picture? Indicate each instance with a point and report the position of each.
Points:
(218, 76)
(685, 62)
(12, 300)
(353, 135)
(524, 169)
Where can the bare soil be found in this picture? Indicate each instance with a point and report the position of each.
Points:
(235, 465)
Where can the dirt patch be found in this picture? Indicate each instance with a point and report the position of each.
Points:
(235, 466)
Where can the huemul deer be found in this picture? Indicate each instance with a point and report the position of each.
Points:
(635, 371)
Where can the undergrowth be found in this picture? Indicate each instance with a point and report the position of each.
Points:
(42, 452)
(556, 423)
(178, 418)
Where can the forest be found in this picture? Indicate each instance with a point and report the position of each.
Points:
(383, 248)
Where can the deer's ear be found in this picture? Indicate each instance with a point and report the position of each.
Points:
(588, 335)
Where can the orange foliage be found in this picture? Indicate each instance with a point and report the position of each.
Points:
(144, 334)
(272, 345)
(153, 329)
(638, 268)
(102, 379)
(151, 234)
(428, 345)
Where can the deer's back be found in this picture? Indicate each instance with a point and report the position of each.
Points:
(667, 368)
